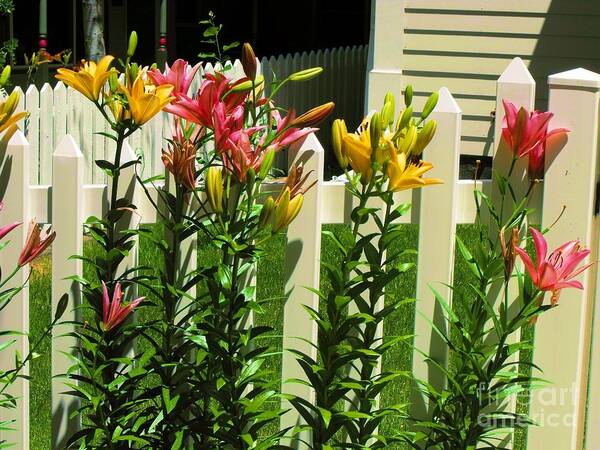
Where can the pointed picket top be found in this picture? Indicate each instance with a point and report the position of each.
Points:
(68, 148)
(60, 86)
(446, 102)
(516, 72)
(46, 87)
(127, 154)
(18, 139)
(31, 89)
(579, 77)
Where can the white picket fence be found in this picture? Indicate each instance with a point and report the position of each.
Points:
(58, 110)
(564, 336)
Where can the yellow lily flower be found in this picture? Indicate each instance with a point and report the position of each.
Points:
(146, 100)
(407, 175)
(8, 119)
(90, 79)
(357, 148)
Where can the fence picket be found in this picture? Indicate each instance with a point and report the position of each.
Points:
(32, 130)
(67, 182)
(435, 267)
(15, 189)
(46, 133)
(302, 265)
(563, 335)
(60, 113)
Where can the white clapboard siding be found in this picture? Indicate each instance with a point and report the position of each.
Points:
(466, 44)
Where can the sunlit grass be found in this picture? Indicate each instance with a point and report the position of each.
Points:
(271, 291)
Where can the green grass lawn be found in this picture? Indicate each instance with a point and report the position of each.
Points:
(271, 290)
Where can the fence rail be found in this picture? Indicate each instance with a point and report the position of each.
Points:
(65, 198)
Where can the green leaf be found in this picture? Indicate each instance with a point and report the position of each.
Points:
(211, 31)
(61, 307)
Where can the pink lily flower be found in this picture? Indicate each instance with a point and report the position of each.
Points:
(241, 155)
(524, 131)
(177, 76)
(7, 228)
(35, 243)
(556, 271)
(113, 311)
(212, 92)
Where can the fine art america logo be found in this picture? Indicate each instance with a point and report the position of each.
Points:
(547, 399)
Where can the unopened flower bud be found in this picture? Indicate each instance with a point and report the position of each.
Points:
(408, 95)
(375, 126)
(249, 61)
(133, 40)
(404, 118)
(10, 104)
(214, 188)
(387, 113)
(267, 163)
(408, 141)
(250, 178)
(306, 74)
(313, 116)
(286, 210)
(5, 75)
(424, 137)
(113, 82)
(338, 131)
(246, 86)
(429, 105)
(266, 212)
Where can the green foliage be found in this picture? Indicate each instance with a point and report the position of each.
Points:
(483, 338)
(216, 51)
(349, 346)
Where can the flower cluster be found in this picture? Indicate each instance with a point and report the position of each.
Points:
(396, 153)
(133, 101)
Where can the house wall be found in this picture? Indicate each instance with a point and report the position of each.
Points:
(465, 44)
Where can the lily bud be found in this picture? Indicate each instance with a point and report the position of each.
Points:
(133, 72)
(10, 105)
(408, 95)
(249, 61)
(251, 178)
(266, 212)
(408, 141)
(286, 210)
(375, 126)
(338, 131)
(387, 113)
(113, 82)
(267, 163)
(5, 75)
(389, 97)
(404, 118)
(313, 116)
(246, 85)
(428, 108)
(306, 74)
(508, 251)
(281, 210)
(133, 40)
(424, 137)
(214, 189)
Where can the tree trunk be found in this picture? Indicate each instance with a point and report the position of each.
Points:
(93, 29)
